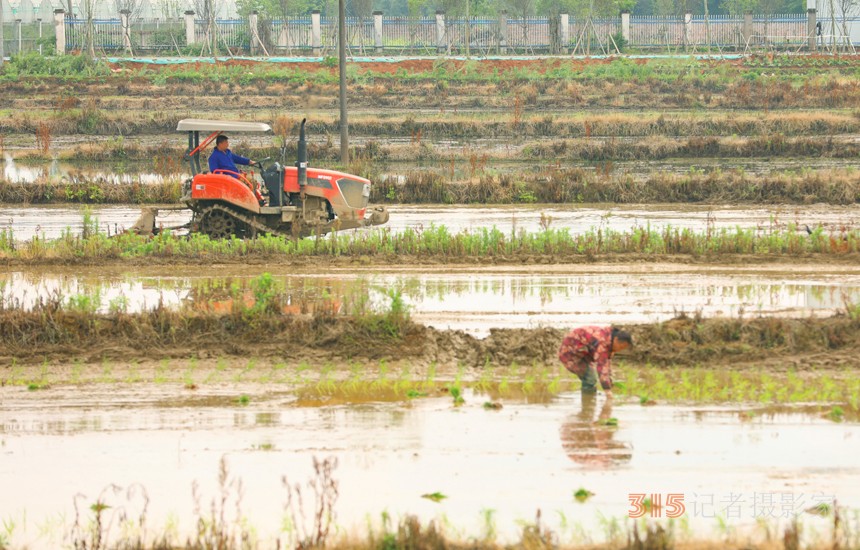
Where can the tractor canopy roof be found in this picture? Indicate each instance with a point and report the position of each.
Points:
(205, 125)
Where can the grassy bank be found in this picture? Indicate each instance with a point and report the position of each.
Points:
(130, 117)
(168, 153)
(526, 186)
(578, 185)
(435, 244)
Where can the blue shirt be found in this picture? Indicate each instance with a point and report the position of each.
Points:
(225, 161)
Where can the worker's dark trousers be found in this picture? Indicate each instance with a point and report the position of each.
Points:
(589, 380)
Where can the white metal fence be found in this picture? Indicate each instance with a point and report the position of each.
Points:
(432, 36)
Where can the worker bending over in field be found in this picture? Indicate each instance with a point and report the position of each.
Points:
(587, 353)
(222, 158)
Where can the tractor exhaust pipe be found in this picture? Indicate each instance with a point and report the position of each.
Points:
(302, 163)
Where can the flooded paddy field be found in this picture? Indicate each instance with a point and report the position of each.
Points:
(746, 405)
(51, 221)
(474, 300)
(155, 452)
(457, 170)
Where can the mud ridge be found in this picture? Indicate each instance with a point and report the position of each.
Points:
(60, 336)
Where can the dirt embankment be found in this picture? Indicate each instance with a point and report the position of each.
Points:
(61, 337)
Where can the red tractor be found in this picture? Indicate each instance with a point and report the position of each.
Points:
(294, 201)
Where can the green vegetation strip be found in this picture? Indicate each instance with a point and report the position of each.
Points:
(549, 186)
(832, 394)
(669, 71)
(435, 242)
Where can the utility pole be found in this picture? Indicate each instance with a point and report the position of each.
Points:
(341, 50)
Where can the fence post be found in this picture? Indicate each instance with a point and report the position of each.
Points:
(812, 29)
(190, 37)
(502, 39)
(625, 26)
(377, 31)
(688, 28)
(123, 23)
(316, 32)
(252, 28)
(20, 42)
(747, 28)
(564, 32)
(60, 30)
(440, 32)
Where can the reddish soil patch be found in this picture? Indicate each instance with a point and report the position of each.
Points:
(408, 65)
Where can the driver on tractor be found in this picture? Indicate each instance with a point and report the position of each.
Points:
(222, 158)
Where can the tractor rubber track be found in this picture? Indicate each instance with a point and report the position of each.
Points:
(251, 221)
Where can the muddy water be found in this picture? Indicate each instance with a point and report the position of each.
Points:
(477, 299)
(51, 221)
(15, 172)
(59, 443)
(456, 168)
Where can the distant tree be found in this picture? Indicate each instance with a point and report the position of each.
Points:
(520, 8)
(90, 36)
(739, 7)
(665, 7)
(360, 8)
(170, 9)
(396, 8)
(847, 8)
(132, 6)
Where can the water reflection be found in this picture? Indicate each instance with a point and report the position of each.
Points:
(16, 172)
(471, 301)
(590, 441)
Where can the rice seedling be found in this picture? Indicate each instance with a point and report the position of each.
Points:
(456, 394)
(492, 406)
(611, 422)
(582, 494)
(435, 496)
(429, 242)
(325, 383)
(429, 382)
(837, 414)
(161, 372)
(404, 381)
(243, 400)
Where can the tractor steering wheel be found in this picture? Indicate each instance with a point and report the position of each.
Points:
(260, 163)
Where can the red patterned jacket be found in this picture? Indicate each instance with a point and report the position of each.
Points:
(585, 346)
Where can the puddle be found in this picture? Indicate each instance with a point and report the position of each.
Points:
(476, 299)
(51, 221)
(512, 461)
